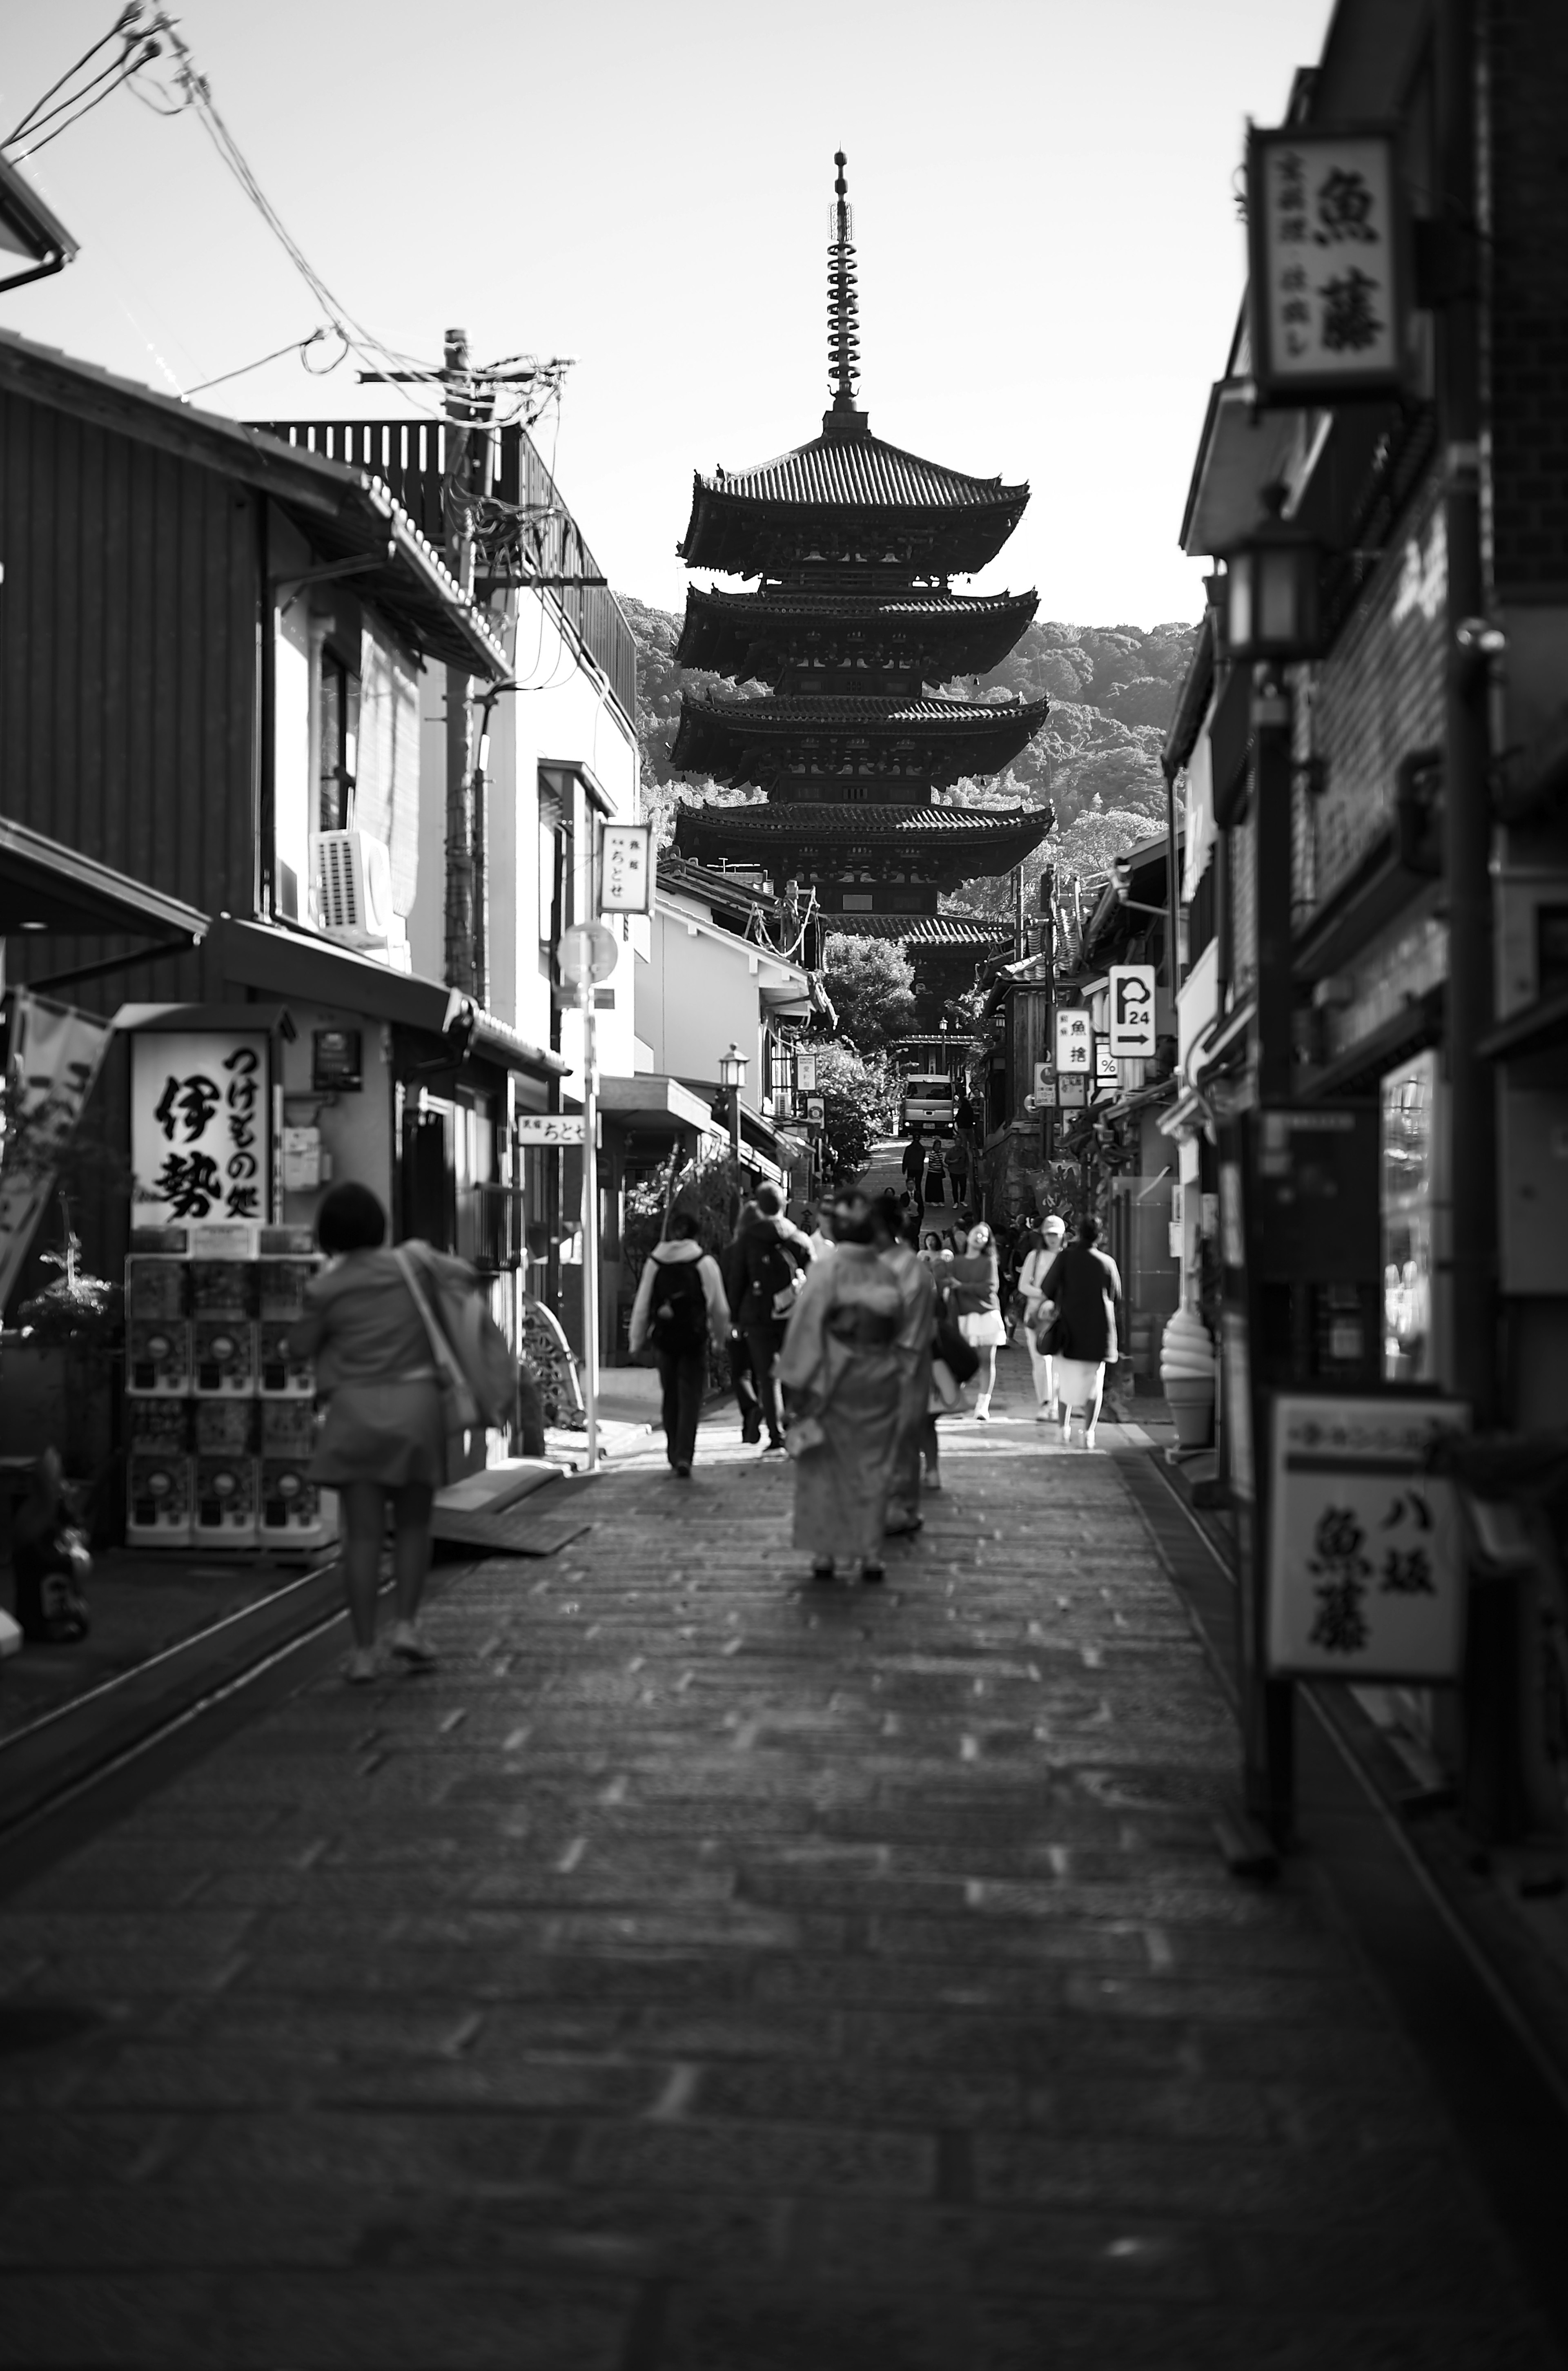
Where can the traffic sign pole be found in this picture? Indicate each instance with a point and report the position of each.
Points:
(591, 1224)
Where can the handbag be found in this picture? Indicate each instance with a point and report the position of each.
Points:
(459, 1408)
(952, 1346)
(1051, 1333)
(805, 1434)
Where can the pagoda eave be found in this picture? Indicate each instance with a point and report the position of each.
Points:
(942, 634)
(828, 741)
(934, 847)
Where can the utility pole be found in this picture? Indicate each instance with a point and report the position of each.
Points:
(464, 921)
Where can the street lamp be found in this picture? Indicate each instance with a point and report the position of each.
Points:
(1270, 591)
(732, 1078)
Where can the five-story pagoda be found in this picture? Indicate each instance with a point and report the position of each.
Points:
(854, 544)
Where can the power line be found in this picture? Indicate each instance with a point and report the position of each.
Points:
(123, 26)
(296, 346)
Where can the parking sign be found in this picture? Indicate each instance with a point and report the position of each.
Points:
(1132, 1010)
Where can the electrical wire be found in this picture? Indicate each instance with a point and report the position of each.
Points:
(298, 347)
(124, 23)
(127, 68)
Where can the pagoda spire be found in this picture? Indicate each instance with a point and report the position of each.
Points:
(842, 313)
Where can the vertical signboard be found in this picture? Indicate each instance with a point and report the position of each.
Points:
(1132, 1010)
(54, 1054)
(1326, 282)
(1365, 1548)
(1075, 1041)
(626, 884)
(200, 1125)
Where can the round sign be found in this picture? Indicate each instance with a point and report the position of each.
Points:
(587, 953)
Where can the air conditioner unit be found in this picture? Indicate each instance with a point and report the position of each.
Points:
(353, 887)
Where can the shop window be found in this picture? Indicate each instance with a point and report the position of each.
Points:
(338, 753)
(1410, 1198)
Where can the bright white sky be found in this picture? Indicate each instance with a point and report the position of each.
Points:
(1050, 255)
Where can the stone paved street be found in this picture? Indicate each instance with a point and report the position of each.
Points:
(704, 1972)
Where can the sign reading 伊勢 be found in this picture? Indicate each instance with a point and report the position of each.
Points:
(1365, 1558)
(1132, 1010)
(1327, 279)
(200, 1125)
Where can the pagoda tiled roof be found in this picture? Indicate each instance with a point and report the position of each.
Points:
(947, 739)
(971, 630)
(974, 931)
(855, 820)
(845, 475)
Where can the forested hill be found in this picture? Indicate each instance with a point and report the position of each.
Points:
(1113, 691)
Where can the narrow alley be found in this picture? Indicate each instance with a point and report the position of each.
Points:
(701, 1969)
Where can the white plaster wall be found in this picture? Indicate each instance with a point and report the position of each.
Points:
(698, 991)
(292, 772)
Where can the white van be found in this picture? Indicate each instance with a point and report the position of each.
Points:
(928, 1101)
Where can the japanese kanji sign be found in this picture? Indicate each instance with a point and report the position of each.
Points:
(1327, 265)
(550, 1127)
(1132, 1010)
(629, 869)
(200, 1125)
(1366, 1567)
(1075, 1041)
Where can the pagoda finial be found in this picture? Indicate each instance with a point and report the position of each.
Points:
(843, 303)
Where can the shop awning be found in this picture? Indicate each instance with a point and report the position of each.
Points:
(655, 1104)
(1241, 451)
(311, 970)
(46, 886)
(1540, 1028)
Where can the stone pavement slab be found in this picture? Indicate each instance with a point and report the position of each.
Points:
(706, 1972)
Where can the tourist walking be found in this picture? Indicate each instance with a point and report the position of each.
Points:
(978, 1307)
(1032, 1285)
(742, 1381)
(771, 1259)
(936, 1174)
(1084, 1288)
(845, 1379)
(382, 1442)
(914, 1168)
(896, 1236)
(680, 1308)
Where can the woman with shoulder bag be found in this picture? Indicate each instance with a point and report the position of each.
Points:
(1036, 1310)
(1085, 1286)
(385, 1437)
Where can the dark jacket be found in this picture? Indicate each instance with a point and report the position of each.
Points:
(1086, 1285)
(766, 1251)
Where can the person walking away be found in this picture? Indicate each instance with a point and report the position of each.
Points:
(977, 1305)
(772, 1256)
(742, 1381)
(844, 1377)
(936, 1174)
(913, 1167)
(1084, 1286)
(382, 1442)
(680, 1308)
(1032, 1285)
(897, 1236)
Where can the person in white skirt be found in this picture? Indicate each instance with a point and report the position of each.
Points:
(978, 1304)
(1085, 1287)
(1032, 1285)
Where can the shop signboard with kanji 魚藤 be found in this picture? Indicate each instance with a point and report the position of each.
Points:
(1366, 1558)
(200, 1125)
(1327, 265)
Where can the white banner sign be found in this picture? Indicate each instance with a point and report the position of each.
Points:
(1075, 1041)
(1327, 296)
(201, 1126)
(1366, 1558)
(1132, 1010)
(54, 1057)
(550, 1127)
(629, 869)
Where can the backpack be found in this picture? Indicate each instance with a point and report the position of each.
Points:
(472, 1339)
(770, 1281)
(680, 1309)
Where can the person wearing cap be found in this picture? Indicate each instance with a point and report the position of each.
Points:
(1030, 1283)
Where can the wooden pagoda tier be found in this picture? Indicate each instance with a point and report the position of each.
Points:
(828, 747)
(807, 635)
(847, 499)
(885, 863)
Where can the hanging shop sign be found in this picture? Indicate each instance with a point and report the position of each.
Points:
(1328, 273)
(627, 882)
(52, 1057)
(1132, 1010)
(1075, 1041)
(200, 1125)
(1366, 1576)
(1072, 1091)
(337, 1061)
(549, 1127)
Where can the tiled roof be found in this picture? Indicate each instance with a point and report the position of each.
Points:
(815, 819)
(920, 929)
(793, 715)
(860, 472)
(795, 601)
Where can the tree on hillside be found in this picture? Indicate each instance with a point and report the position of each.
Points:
(1088, 846)
(871, 984)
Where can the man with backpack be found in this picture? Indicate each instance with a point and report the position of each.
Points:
(769, 1256)
(679, 1310)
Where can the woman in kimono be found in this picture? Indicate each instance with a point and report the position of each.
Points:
(896, 1235)
(844, 1375)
